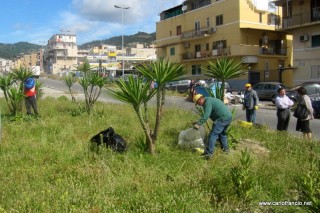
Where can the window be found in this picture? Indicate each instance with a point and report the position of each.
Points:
(272, 19)
(219, 44)
(208, 22)
(260, 17)
(219, 20)
(315, 71)
(179, 30)
(197, 25)
(197, 47)
(315, 41)
(207, 46)
(196, 69)
(172, 51)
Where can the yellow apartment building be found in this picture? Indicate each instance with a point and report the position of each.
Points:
(301, 18)
(200, 30)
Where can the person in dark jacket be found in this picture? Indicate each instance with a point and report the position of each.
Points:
(30, 96)
(283, 104)
(303, 125)
(221, 116)
(250, 103)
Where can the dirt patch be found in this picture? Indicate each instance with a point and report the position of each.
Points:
(253, 147)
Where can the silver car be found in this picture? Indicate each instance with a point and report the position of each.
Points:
(267, 90)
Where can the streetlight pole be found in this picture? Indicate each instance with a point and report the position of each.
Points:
(41, 55)
(122, 8)
(280, 73)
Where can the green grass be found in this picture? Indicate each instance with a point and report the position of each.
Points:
(46, 165)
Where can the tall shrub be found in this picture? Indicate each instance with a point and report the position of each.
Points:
(224, 69)
(92, 83)
(137, 93)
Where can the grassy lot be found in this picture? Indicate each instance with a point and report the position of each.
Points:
(46, 166)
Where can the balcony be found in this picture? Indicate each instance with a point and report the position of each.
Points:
(195, 34)
(236, 50)
(300, 19)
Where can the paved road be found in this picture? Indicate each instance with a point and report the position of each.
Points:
(265, 115)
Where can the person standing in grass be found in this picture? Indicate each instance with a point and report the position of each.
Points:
(30, 96)
(250, 103)
(303, 125)
(221, 116)
(283, 104)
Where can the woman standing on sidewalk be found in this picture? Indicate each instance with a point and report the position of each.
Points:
(303, 124)
(283, 104)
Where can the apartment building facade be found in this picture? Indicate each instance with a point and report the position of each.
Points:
(61, 53)
(200, 30)
(301, 18)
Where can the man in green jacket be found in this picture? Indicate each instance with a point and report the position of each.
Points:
(221, 116)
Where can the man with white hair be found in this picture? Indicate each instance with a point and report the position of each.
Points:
(221, 116)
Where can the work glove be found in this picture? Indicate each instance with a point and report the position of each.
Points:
(196, 126)
(243, 107)
(256, 107)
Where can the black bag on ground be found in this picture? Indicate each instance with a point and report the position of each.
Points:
(301, 112)
(110, 139)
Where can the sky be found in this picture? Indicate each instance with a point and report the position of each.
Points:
(35, 21)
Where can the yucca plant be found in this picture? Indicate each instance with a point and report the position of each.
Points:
(19, 75)
(39, 89)
(137, 93)
(16, 98)
(5, 84)
(224, 69)
(70, 80)
(161, 72)
(91, 83)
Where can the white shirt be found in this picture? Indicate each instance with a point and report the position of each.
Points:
(283, 102)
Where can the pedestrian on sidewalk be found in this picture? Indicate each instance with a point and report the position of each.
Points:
(283, 104)
(303, 125)
(250, 103)
(221, 116)
(30, 96)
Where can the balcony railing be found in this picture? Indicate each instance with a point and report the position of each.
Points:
(300, 19)
(236, 50)
(203, 32)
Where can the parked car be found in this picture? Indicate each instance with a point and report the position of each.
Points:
(267, 90)
(180, 86)
(313, 88)
(315, 101)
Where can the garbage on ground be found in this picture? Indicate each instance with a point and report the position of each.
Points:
(245, 124)
(109, 138)
(192, 138)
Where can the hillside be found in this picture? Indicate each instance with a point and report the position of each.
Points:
(131, 40)
(9, 51)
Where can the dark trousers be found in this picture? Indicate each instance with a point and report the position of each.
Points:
(31, 102)
(283, 119)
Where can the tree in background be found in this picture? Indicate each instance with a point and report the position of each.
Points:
(224, 69)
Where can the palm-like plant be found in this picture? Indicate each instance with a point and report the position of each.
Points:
(39, 89)
(162, 72)
(91, 83)
(15, 97)
(224, 69)
(19, 75)
(137, 93)
(5, 84)
(70, 80)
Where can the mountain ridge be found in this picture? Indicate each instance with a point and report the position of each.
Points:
(10, 51)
